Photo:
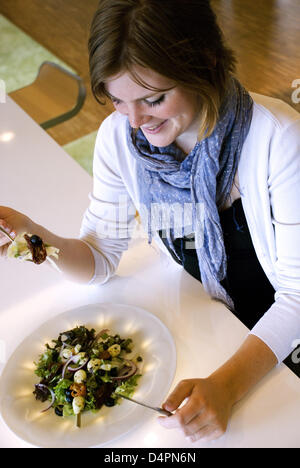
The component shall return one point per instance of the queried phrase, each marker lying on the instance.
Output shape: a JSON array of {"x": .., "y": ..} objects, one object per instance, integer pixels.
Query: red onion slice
[
  {"x": 52, "y": 396},
  {"x": 74, "y": 369},
  {"x": 127, "y": 371},
  {"x": 61, "y": 352},
  {"x": 71, "y": 359}
]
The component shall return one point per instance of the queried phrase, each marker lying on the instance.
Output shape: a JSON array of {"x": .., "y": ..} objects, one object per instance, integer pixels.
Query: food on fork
[
  {"x": 31, "y": 247},
  {"x": 37, "y": 248}
]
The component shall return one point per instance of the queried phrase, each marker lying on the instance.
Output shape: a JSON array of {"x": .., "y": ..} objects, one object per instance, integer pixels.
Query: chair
[{"x": 56, "y": 95}]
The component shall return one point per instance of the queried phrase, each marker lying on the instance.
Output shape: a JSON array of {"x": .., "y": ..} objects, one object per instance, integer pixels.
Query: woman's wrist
[{"x": 245, "y": 368}]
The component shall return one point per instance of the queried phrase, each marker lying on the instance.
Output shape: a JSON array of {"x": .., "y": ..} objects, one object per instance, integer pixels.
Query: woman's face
[{"x": 162, "y": 116}]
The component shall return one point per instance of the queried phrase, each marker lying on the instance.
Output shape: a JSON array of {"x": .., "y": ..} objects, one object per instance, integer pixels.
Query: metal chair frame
[{"x": 80, "y": 98}]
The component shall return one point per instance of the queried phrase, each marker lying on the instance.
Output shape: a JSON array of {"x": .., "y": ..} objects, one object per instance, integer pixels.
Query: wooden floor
[
  {"x": 266, "y": 37},
  {"x": 264, "y": 33}
]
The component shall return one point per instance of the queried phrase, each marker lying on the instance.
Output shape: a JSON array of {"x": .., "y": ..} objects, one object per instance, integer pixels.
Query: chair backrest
[{"x": 56, "y": 95}]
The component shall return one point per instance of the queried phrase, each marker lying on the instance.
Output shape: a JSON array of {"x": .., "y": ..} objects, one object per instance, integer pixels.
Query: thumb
[{"x": 179, "y": 394}]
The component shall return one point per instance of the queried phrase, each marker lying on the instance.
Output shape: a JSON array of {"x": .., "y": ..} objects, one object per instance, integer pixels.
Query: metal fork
[
  {"x": 6, "y": 234},
  {"x": 154, "y": 408}
]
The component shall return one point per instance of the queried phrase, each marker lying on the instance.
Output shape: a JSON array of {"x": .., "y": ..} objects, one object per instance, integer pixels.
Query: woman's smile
[{"x": 154, "y": 129}]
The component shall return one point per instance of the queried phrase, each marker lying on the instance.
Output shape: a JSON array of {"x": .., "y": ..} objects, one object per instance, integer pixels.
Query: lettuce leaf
[
  {"x": 60, "y": 391},
  {"x": 127, "y": 388}
]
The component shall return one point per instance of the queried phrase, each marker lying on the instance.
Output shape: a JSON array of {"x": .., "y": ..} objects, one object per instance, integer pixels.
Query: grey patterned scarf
[{"x": 202, "y": 181}]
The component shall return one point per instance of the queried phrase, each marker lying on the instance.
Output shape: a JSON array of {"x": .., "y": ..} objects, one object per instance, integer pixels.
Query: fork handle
[
  {"x": 6, "y": 234},
  {"x": 164, "y": 412}
]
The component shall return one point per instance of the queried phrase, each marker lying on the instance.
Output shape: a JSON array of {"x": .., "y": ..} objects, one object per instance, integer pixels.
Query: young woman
[{"x": 214, "y": 173}]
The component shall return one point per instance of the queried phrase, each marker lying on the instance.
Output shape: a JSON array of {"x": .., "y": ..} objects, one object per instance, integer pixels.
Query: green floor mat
[
  {"x": 82, "y": 150},
  {"x": 21, "y": 56}
]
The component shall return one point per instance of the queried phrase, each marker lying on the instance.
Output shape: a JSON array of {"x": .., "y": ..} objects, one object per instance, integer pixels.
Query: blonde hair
[{"x": 179, "y": 39}]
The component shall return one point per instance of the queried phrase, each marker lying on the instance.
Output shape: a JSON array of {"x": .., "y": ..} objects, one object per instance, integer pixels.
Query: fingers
[
  {"x": 205, "y": 413},
  {"x": 4, "y": 239},
  {"x": 3, "y": 250},
  {"x": 182, "y": 391},
  {"x": 188, "y": 418},
  {"x": 186, "y": 414},
  {"x": 202, "y": 427},
  {"x": 206, "y": 434}
]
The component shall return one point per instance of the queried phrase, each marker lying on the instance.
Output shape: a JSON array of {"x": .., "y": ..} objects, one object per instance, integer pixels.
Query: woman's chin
[{"x": 159, "y": 140}]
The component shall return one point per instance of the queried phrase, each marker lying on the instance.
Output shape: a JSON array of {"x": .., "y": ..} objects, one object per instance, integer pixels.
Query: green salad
[{"x": 82, "y": 371}]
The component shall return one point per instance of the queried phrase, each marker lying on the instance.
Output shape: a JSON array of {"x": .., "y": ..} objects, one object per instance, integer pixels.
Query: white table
[{"x": 37, "y": 177}]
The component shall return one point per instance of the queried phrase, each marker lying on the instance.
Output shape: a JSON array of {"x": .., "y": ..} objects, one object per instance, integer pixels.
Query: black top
[{"x": 245, "y": 281}]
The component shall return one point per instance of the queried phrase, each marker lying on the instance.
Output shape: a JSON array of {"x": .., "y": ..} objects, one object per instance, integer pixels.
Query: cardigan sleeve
[
  {"x": 279, "y": 328},
  {"x": 107, "y": 223}
]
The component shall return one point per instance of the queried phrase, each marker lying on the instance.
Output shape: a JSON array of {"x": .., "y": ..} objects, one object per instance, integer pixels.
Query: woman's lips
[{"x": 154, "y": 128}]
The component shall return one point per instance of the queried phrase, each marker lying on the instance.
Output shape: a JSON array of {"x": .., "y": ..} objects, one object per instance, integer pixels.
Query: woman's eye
[
  {"x": 157, "y": 102},
  {"x": 115, "y": 101}
]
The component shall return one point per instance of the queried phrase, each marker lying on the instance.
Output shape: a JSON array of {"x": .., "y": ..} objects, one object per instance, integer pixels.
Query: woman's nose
[{"x": 136, "y": 117}]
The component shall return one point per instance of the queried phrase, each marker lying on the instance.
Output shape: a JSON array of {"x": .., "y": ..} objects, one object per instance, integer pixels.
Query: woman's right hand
[
  {"x": 76, "y": 259},
  {"x": 13, "y": 223}
]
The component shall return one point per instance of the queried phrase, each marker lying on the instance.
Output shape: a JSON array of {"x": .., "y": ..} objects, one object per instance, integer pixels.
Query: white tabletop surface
[{"x": 38, "y": 178}]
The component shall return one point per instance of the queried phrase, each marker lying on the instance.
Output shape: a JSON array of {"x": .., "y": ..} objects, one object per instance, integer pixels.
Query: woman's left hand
[{"x": 205, "y": 414}]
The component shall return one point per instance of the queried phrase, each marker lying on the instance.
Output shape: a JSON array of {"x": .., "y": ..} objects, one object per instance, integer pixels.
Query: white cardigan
[{"x": 269, "y": 179}]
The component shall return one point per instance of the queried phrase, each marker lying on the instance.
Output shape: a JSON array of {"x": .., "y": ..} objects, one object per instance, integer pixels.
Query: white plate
[{"x": 22, "y": 413}]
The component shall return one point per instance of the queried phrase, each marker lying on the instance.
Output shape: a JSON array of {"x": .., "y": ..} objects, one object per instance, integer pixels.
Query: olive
[
  {"x": 105, "y": 346},
  {"x": 36, "y": 240},
  {"x": 69, "y": 398},
  {"x": 100, "y": 373},
  {"x": 59, "y": 410},
  {"x": 113, "y": 372},
  {"x": 109, "y": 402}
]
